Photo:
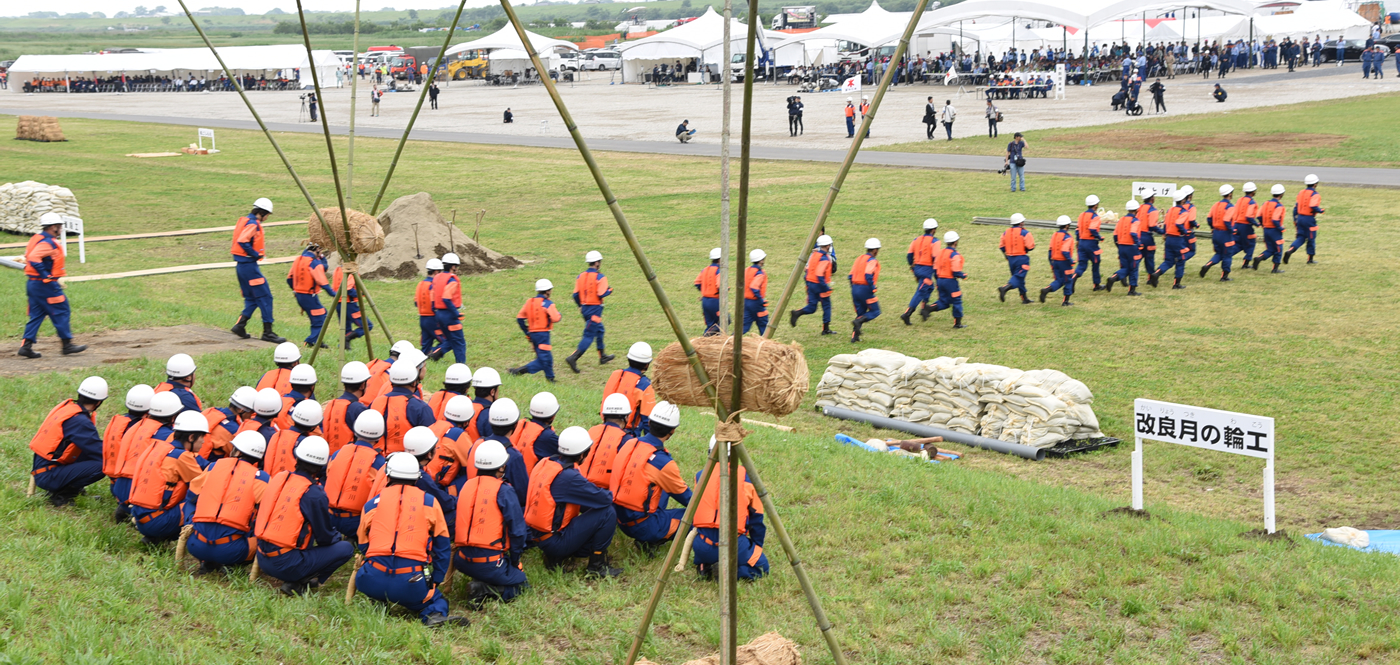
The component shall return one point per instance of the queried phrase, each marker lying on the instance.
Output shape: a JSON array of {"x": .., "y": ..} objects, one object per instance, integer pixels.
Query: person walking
[
  {"x": 948, "y": 115},
  {"x": 1158, "y": 90},
  {"x": 930, "y": 119},
  {"x": 1061, "y": 261},
  {"x": 1015, "y": 242},
  {"x": 993, "y": 117},
  {"x": 1089, "y": 239},
  {"x": 1016, "y": 161},
  {"x": 247, "y": 250},
  {"x": 1222, "y": 236},
  {"x": 43, "y": 266},
  {"x": 433, "y": 94},
  {"x": 1126, "y": 236}
]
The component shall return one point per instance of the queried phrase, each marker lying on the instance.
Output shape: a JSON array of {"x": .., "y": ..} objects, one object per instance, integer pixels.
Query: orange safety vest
[
  {"x": 1123, "y": 233},
  {"x": 818, "y": 267},
  {"x": 850, "y": 111},
  {"x": 755, "y": 280},
  {"x": 378, "y": 378},
  {"x": 219, "y": 440},
  {"x": 112, "y": 443},
  {"x": 242, "y": 233},
  {"x": 707, "y": 513},
  {"x": 338, "y": 432},
  {"x": 49, "y": 443},
  {"x": 1220, "y": 215},
  {"x": 1273, "y": 214},
  {"x": 227, "y": 496},
  {"x": 400, "y": 526},
  {"x": 52, "y": 250},
  {"x": 865, "y": 271},
  {"x": 598, "y": 466},
  {"x": 395, "y": 411},
  {"x": 443, "y": 291},
  {"x": 306, "y": 279},
  {"x": 539, "y": 314},
  {"x": 1246, "y": 210},
  {"x": 278, "y": 379},
  {"x": 279, "y": 457},
  {"x": 708, "y": 281},
  {"x": 625, "y": 382},
  {"x": 1088, "y": 223},
  {"x": 438, "y": 402},
  {"x": 1062, "y": 246},
  {"x": 135, "y": 442},
  {"x": 479, "y": 520},
  {"x": 451, "y": 459},
  {"x": 541, "y": 512},
  {"x": 949, "y": 263},
  {"x": 1177, "y": 222},
  {"x": 1016, "y": 241},
  {"x": 1308, "y": 201},
  {"x": 280, "y": 521},
  {"x": 589, "y": 286},
  {"x": 350, "y": 477},
  {"x": 149, "y": 484},
  {"x": 423, "y": 297},
  {"x": 924, "y": 248},
  {"x": 472, "y": 434},
  {"x": 864, "y": 108},
  {"x": 523, "y": 440},
  {"x": 631, "y": 487}
]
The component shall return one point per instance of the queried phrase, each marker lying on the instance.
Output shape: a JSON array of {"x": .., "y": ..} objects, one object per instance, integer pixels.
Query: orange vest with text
[
  {"x": 401, "y": 524},
  {"x": 49, "y": 443},
  {"x": 479, "y": 521},
  {"x": 541, "y": 512},
  {"x": 280, "y": 521},
  {"x": 227, "y": 495}
]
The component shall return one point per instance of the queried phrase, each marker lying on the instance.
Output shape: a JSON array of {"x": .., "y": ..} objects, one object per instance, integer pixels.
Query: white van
[{"x": 602, "y": 60}]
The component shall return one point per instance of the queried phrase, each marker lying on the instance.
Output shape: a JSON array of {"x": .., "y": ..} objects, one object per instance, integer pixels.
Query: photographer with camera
[
  {"x": 1016, "y": 161},
  {"x": 308, "y": 100}
]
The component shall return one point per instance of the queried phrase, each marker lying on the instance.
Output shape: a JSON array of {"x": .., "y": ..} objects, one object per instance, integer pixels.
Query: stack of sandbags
[
  {"x": 22, "y": 203},
  {"x": 869, "y": 381},
  {"x": 39, "y": 128},
  {"x": 1039, "y": 408}
]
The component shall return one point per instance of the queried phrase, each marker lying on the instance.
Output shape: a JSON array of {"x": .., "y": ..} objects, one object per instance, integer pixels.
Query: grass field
[
  {"x": 1345, "y": 132},
  {"x": 988, "y": 559}
]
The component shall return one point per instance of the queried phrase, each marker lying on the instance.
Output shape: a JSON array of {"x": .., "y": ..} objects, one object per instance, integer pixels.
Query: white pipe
[{"x": 973, "y": 440}]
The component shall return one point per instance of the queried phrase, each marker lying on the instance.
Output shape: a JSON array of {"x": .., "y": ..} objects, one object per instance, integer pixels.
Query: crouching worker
[
  {"x": 490, "y": 534},
  {"x": 403, "y": 531},
  {"x": 296, "y": 543},
  {"x": 645, "y": 479},
  {"x": 222, "y": 503},
  {"x": 162, "y": 476},
  {"x": 753, "y": 563},
  {"x": 352, "y": 471},
  {"x": 568, "y": 516},
  {"x": 67, "y": 448}
]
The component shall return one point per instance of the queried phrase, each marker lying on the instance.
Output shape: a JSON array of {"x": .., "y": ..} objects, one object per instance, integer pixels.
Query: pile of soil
[
  {"x": 766, "y": 649},
  {"x": 399, "y": 259},
  {"x": 106, "y": 347}
]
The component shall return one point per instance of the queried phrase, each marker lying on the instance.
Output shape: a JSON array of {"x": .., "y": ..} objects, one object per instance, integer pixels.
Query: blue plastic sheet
[{"x": 1381, "y": 541}]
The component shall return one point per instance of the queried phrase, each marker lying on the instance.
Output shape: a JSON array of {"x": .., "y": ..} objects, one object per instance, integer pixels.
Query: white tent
[
  {"x": 1327, "y": 18},
  {"x": 509, "y": 60},
  {"x": 702, "y": 39},
  {"x": 255, "y": 60},
  {"x": 506, "y": 37}
]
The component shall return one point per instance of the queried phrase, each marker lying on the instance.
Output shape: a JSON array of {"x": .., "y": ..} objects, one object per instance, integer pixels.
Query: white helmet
[
  {"x": 50, "y": 219},
  {"x": 574, "y": 441},
  {"x": 139, "y": 397},
  {"x": 404, "y": 371},
  {"x": 191, "y": 421},
  {"x": 848, "y": 99},
  {"x": 459, "y": 409},
  {"x": 244, "y": 397},
  {"x": 1277, "y": 190},
  {"x": 1310, "y": 179},
  {"x": 666, "y": 413},
  {"x": 1188, "y": 190},
  {"x": 286, "y": 352},
  {"x": 544, "y": 405},
  {"x": 251, "y": 444},
  {"x": 1091, "y": 200},
  {"x": 400, "y": 346},
  {"x": 1225, "y": 190},
  {"x": 1132, "y": 204},
  {"x": 950, "y": 237},
  {"x": 504, "y": 412},
  {"x": 263, "y": 204},
  {"x": 490, "y": 455},
  {"x": 307, "y": 413},
  {"x": 640, "y": 352},
  {"x": 369, "y": 425},
  {"x": 543, "y": 285},
  {"x": 757, "y": 255},
  {"x": 313, "y": 450},
  {"x": 402, "y": 466},
  {"x": 1249, "y": 187},
  {"x": 457, "y": 373},
  {"x": 1063, "y": 221},
  {"x": 485, "y": 377},
  {"x": 1017, "y": 218},
  {"x": 872, "y": 243},
  {"x": 617, "y": 404},
  {"x": 95, "y": 387},
  {"x": 419, "y": 441},
  {"x": 164, "y": 405},
  {"x": 930, "y": 224},
  {"x": 434, "y": 264},
  {"x": 267, "y": 403},
  {"x": 823, "y": 241},
  {"x": 716, "y": 254},
  {"x": 450, "y": 259},
  {"x": 354, "y": 372},
  {"x": 303, "y": 375},
  {"x": 592, "y": 257},
  {"x": 179, "y": 366}
]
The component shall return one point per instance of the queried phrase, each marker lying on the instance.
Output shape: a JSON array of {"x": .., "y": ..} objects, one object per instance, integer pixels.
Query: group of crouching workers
[{"x": 415, "y": 486}]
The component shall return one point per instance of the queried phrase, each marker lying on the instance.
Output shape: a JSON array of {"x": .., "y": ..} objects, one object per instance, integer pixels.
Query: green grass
[
  {"x": 1336, "y": 132},
  {"x": 988, "y": 559}
]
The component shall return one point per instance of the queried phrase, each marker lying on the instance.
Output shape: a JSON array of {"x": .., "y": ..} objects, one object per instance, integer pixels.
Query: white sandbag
[{"x": 1346, "y": 535}]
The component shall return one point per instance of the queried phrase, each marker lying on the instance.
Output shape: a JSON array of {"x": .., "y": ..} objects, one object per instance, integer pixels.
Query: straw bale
[
  {"x": 38, "y": 128},
  {"x": 766, "y": 649},
  {"x": 365, "y": 234},
  {"x": 775, "y": 374}
]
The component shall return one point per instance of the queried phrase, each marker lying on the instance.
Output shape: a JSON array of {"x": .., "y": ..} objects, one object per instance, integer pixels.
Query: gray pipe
[
  {"x": 11, "y": 264},
  {"x": 973, "y": 440}
]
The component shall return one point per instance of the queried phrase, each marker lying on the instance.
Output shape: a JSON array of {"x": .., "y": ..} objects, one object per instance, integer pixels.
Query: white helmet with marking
[
  {"x": 303, "y": 375},
  {"x": 419, "y": 441},
  {"x": 459, "y": 409},
  {"x": 640, "y": 352},
  {"x": 167, "y": 404},
  {"x": 486, "y": 377},
  {"x": 574, "y": 441},
  {"x": 369, "y": 425},
  {"x": 354, "y": 372},
  {"x": 617, "y": 404},
  {"x": 457, "y": 374},
  {"x": 402, "y": 466},
  {"x": 179, "y": 366},
  {"x": 504, "y": 412},
  {"x": 268, "y": 403},
  {"x": 191, "y": 421},
  {"x": 286, "y": 352},
  {"x": 544, "y": 405},
  {"x": 139, "y": 397},
  {"x": 490, "y": 455},
  {"x": 666, "y": 413},
  {"x": 313, "y": 450},
  {"x": 251, "y": 444},
  {"x": 307, "y": 413}
]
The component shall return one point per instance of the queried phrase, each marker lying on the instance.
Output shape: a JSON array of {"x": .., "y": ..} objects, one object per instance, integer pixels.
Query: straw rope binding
[
  {"x": 775, "y": 374},
  {"x": 366, "y": 236}
]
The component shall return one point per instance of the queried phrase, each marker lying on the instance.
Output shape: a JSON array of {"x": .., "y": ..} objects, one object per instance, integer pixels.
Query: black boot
[
  {"x": 1098, "y": 287},
  {"x": 292, "y": 589},
  {"x": 957, "y": 324},
  {"x": 1025, "y": 300},
  {"x": 905, "y": 316},
  {"x": 69, "y": 348},
  {"x": 26, "y": 349},
  {"x": 826, "y": 329},
  {"x": 925, "y": 311},
  {"x": 572, "y": 361},
  {"x": 1288, "y": 254},
  {"x": 1177, "y": 285},
  {"x": 793, "y": 316},
  {"x": 1276, "y": 269},
  {"x": 856, "y": 323},
  {"x": 1108, "y": 286},
  {"x": 605, "y": 358},
  {"x": 436, "y": 620},
  {"x": 1132, "y": 291},
  {"x": 552, "y": 563},
  {"x": 1066, "y": 303},
  {"x": 1205, "y": 269},
  {"x": 241, "y": 328},
  {"x": 1044, "y": 292},
  {"x": 1225, "y": 277},
  {"x": 1001, "y": 292},
  {"x": 598, "y": 566},
  {"x": 269, "y": 336},
  {"x": 516, "y": 371},
  {"x": 1257, "y": 260},
  {"x": 1152, "y": 279},
  {"x": 1311, "y": 262}
]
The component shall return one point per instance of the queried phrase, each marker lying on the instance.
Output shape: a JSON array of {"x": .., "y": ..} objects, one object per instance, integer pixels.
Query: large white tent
[
  {"x": 1328, "y": 18},
  {"x": 702, "y": 39},
  {"x": 506, "y": 37},
  {"x": 255, "y": 60}
]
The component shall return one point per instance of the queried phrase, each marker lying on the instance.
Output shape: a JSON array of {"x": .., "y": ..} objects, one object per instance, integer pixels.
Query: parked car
[
  {"x": 1354, "y": 47},
  {"x": 568, "y": 60},
  {"x": 601, "y": 60}
]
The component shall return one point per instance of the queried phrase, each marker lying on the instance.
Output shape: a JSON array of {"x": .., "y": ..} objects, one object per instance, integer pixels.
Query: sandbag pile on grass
[
  {"x": 22, "y": 203},
  {"x": 1039, "y": 408},
  {"x": 39, "y": 128}
]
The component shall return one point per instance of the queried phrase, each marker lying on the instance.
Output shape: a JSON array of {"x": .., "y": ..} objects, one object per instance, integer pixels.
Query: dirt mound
[
  {"x": 414, "y": 231},
  {"x": 1150, "y": 139},
  {"x": 115, "y": 346}
]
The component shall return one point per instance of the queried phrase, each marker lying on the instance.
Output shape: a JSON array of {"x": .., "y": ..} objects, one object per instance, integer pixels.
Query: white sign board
[
  {"x": 1166, "y": 190},
  {"x": 208, "y": 134},
  {"x": 1210, "y": 429},
  {"x": 1060, "y": 80},
  {"x": 74, "y": 225}
]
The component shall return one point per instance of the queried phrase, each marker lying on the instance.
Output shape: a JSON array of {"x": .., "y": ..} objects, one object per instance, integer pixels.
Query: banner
[{"x": 851, "y": 84}]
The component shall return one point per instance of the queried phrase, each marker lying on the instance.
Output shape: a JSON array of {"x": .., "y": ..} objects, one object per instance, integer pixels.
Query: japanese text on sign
[{"x": 1239, "y": 433}]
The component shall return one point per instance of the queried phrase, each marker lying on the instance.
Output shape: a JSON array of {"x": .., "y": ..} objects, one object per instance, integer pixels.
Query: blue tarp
[{"x": 1381, "y": 541}]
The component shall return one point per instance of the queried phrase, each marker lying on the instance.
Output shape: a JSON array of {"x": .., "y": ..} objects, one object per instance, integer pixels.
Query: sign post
[
  {"x": 1224, "y": 431},
  {"x": 1166, "y": 189},
  {"x": 208, "y": 134}
]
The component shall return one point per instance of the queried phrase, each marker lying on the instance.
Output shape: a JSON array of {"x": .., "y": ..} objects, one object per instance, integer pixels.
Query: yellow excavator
[{"x": 467, "y": 64}]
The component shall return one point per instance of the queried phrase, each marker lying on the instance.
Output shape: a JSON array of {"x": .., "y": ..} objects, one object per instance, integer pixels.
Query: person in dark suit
[{"x": 930, "y": 118}]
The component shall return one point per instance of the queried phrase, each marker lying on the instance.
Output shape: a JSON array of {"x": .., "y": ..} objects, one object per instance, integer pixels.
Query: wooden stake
[
  {"x": 32, "y": 486},
  {"x": 350, "y": 585},
  {"x": 182, "y": 545},
  {"x": 254, "y": 571}
]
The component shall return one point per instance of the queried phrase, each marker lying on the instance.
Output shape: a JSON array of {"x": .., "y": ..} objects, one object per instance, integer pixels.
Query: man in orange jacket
[
  {"x": 162, "y": 478},
  {"x": 753, "y": 563},
  {"x": 645, "y": 479},
  {"x": 1015, "y": 243},
  {"x": 536, "y": 319},
  {"x": 566, "y": 515},
  {"x": 296, "y": 543},
  {"x": 590, "y": 289},
  {"x": 221, "y": 504},
  {"x": 43, "y": 266},
  {"x": 67, "y": 449},
  {"x": 708, "y": 286},
  {"x": 306, "y": 277},
  {"x": 248, "y": 249},
  {"x": 756, "y": 292},
  {"x": 820, "y": 266},
  {"x": 490, "y": 534}
]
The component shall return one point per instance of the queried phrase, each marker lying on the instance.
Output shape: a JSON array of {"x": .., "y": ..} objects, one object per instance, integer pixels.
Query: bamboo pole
[
  {"x": 727, "y": 573},
  {"x": 419, "y": 107},
  {"x": 726, "y": 86},
  {"x": 320, "y": 337},
  {"x": 341, "y": 306},
  {"x": 811, "y": 240}
]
